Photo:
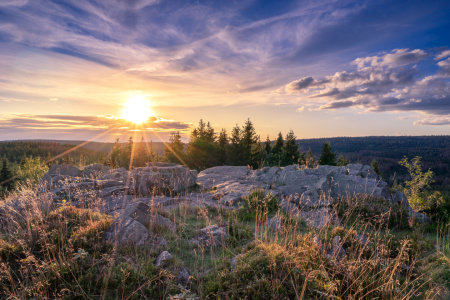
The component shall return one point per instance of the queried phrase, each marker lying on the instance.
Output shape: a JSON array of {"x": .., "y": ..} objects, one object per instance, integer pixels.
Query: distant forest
[{"x": 387, "y": 150}]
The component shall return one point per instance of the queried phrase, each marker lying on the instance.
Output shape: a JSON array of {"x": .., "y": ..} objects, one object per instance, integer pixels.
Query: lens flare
[{"x": 136, "y": 110}]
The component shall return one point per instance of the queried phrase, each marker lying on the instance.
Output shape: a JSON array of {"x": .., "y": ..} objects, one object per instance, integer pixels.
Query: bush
[{"x": 258, "y": 205}]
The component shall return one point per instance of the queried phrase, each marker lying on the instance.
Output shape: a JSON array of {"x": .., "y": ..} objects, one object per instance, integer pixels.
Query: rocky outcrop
[
  {"x": 212, "y": 235},
  {"x": 162, "y": 177},
  {"x": 135, "y": 224},
  {"x": 164, "y": 256}
]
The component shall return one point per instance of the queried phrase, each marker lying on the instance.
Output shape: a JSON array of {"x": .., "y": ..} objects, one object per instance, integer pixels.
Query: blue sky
[{"x": 321, "y": 68}]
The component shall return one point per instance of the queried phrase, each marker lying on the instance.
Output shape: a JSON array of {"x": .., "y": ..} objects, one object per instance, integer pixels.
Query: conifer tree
[
  {"x": 6, "y": 181},
  {"x": 276, "y": 149},
  {"x": 248, "y": 142},
  {"x": 115, "y": 153},
  {"x": 343, "y": 161},
  {"x": 141, "y": 157},
  {"x": 268, "y": 146},
  {"x": 234, "y": 153},
  {"x": 222, "y": 142},
  {"x": 327, "y": 157},
  {"x": 202, "y": 150},
  {"x": 173, "y": 152},
  {"x": 375, "y": 167},
  {"x": 290, "y": 153},
  {"x": 310, "y": 159}
]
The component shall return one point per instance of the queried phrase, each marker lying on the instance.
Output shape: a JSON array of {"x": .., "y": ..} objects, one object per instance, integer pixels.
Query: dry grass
[{"x": 57, "y": 251}]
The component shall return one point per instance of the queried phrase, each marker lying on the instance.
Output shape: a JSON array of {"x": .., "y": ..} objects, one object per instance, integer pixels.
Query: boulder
[
  {"x": 163, "y": 177},
  {"x": 126, "y": 227},
  {"x": 212, "y": 235},
  {"x": 318, "y": 243},
  {"x": 64, "y": 169},
  {"x": 274, "y": 223},
  {"x": 183, "y": 276},
  {"x": 164, "y": 256},
  {"x": 337, "y": 251}
]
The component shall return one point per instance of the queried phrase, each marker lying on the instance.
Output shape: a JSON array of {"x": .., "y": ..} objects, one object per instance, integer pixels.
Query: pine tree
[
  {"x": 115, "y": 153},
  {"x": 290, "y": 153},
  {"x": 268, "y": 146},
  {"x": 222, "y": 142},
  {"x": 276, "y": 150},
  {"x": 173, "y": 152},
  {"x": 327, "y": 157},
  {"x": 343, "y": 161},
  {"x": 234, "y": 153},
  {"x": 202, "y": 150},
  {"x": 302, "y": 158},
  {"x": 141, "y": 158},
  {"x": 6, "y": 181},
  {"x": 375, "y": 167},
  {"x": 248, "y": 142},
  {"x": 310, "y": 159}
]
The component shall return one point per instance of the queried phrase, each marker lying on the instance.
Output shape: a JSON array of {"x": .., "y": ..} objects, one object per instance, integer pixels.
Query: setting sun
[{"x": 136, "y": 110}]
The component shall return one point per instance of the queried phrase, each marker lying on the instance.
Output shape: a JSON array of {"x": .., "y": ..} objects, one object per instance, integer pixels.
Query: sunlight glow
[{"x": 136, "y": 110}]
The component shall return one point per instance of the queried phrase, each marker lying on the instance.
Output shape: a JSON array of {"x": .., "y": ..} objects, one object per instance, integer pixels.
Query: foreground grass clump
[
  {"x": 376, "y": 211},
  {"x": 63, "y": 255},
  {"x": 298, "y": 270}
]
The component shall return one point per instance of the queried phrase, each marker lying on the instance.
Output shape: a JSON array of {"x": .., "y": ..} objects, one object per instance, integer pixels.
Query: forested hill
[
  {"x": 99, "y": 146},
  {"x": 16, "y": 151},
  {"x": 388, "y": 150}
]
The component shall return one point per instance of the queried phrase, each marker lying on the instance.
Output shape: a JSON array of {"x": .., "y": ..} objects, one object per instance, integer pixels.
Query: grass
[{"x": 59, "y": 253}]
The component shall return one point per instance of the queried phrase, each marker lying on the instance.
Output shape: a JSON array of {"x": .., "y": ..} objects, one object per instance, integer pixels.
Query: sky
[{"x": 69, "y": 69}]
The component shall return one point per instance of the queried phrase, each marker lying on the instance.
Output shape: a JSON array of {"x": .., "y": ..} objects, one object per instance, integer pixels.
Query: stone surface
[
  {"x": 164, "y": 256},
  {"x": 183, "y": 276},
  {"x": 64, "y": 169},
  {"x": 274, "y": 223},
  {"x": 161, "y": 177},
  {"x": 160, "y": 241},
  {"x": 234, "y": 261},
  {"x": 318, "y": 243},
  {"x": 212, "y": 235},
  {"x": 124, "y": 225},
  {"x": 362, "y": 239},
  {"x": 337, "y": 251}
]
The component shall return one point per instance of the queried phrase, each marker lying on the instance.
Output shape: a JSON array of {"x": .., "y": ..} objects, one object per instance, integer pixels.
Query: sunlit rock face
[{"x": 307, "y": 188}]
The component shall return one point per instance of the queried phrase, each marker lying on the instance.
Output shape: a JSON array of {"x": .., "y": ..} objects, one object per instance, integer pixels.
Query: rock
[
  {"x": 162, "y": 177},
  {"x": 212, "y": 235},
  {"x": 160, "y": 241},
  {"x": 183, "y": 276},
  {"x": 362, "y": 239},
  {"x": 133, "y": 232},
  {"x": 164, "y": 256},
  {"x": 234, "y": 261},
  {"x": 400, "y": 198},
  {"x": 274, "y": 223},
  {"x": 214, "y": 176},
  {"x": 64, "y": 169},
  {"x": 337, "y": 251},
  {"x": 318, "y": 243},
  {"x": 133, "y": 213},
  {"x": 317, "y": 218}
]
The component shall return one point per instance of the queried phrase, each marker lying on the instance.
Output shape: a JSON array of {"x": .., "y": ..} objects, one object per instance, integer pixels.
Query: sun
[{"x": 136, "y": 110}]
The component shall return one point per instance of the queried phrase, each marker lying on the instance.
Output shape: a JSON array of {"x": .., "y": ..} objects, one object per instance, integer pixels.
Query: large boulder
[
  {"x": 130, "y": 225},
  {"x": 162, "y": 177},
  {"x": 64, "y": 169}
]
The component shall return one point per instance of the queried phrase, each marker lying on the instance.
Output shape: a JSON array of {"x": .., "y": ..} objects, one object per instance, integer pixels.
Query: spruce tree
[
  {"x": 248, "y": 142},
  {"x": 141, "y": 158},
  {"x": 202, "y": 150},
  {"x": 115, "y": 152},
  {"x": 234, "y": 154},
  {"x": 310, "y": 159},
  {"x": 343, "y": 161},
  {"x": 6, "y": 181},
  {"x": 327, "y": 157},
  {"x": 276, "y": 150},
  {"x": 290, "y": 153},
  {"x": 222, "y": 142},
  {"x": 173, "y": 152},
  {"x": 375, "y": 167},
  {"x": 268, "y": 146}
]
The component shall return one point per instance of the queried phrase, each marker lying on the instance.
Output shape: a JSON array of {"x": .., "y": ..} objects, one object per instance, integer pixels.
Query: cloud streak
[{"x": 389, "y": 82}]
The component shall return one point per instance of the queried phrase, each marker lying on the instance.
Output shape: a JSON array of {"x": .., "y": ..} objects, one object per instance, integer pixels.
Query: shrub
[{"x": 258, "y": 205}]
